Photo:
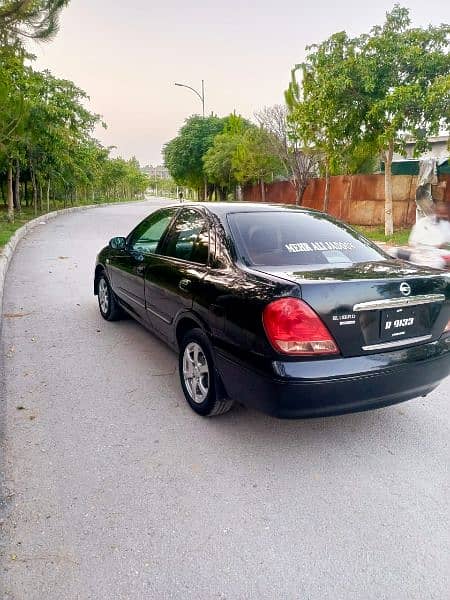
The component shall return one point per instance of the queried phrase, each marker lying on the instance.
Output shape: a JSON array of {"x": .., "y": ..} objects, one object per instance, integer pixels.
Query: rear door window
[
  {"x": 188, "y": 238},
  {"x": 298, "y": 238}
]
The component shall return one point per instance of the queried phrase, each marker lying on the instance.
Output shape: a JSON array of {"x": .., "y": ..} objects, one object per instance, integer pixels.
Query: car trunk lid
[{"x": 375, "y": 306}]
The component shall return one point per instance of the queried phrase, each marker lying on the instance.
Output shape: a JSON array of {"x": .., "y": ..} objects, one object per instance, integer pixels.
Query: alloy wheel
[
  {"x": 103, "y": 296},
  {"x": 196, "y": 372}
]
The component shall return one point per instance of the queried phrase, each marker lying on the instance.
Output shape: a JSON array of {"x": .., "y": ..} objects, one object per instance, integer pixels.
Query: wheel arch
[
  {"x": 186, "y": 322},
  {"x": 99, "y": 269}
]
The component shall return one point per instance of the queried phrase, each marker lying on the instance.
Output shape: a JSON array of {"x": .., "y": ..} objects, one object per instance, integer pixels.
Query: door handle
[
  {"x": 184, "y": 284},
  {"x": 140, "y": 269}
]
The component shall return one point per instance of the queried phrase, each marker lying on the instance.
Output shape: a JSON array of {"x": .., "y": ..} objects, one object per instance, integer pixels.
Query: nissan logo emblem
[{"x": 405, "y": 288}]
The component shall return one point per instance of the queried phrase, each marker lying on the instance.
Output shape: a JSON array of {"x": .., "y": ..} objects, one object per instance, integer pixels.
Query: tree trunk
[
  {"x": 9, "y": 194},
  {"x": 34, "y": 188},
  {"x": 35, "y": 197},
  {"x": 263, "y": 190},
  {"x": 326, "y": 196},
  {"x": 17, "y": 187},
  {"x": 299, "y": 190},
  {"x": 388, "y": 208},
  {"x": 48, "y": 195}
]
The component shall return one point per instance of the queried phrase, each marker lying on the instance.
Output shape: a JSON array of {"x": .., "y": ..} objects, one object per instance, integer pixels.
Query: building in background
[
  {"x": 157, "y": 172},
  {"x": 439, "y": 148}
]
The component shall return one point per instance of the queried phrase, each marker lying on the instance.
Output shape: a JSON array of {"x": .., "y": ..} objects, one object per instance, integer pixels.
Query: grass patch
[
  {"x": 7, "y": 229},
  {"x": 376, "y": 233}
]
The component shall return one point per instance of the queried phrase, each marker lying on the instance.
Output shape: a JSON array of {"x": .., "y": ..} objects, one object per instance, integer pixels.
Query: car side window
[
  {"x": 145, "y": 238},
  {"x": 188, "y": 238}
]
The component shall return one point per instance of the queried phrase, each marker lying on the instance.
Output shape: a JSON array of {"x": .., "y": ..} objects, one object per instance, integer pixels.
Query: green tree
[
  {"x": 326, "y": 103},
  {"x": 22, "y": 19},
  {"x": 406, "y": 85},
  {"x": 19, "y": 20},
  {"x": 12, "y": 116},
  {"x": 362, "y": 97},
  {"x": 46, "y": 143},
  {"x": 254, "y": 160},
  {"x": 57, "y": 125},
  {"x": 218, "y": 161},
  {"x": 183, "y": 155}
]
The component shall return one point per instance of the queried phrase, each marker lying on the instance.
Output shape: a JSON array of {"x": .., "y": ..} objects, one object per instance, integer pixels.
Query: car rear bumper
[{"x": 337, "y": 386}]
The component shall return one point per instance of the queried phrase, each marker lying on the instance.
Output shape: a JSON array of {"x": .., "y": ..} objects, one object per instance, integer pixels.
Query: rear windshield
[{"x": 276, "y": 239}]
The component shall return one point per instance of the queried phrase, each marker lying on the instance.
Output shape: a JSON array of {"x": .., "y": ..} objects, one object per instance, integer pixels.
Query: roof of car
[{"x": 223, "y": 208}]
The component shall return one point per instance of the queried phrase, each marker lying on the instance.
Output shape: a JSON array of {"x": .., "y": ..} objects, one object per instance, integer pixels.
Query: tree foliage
[
  {"x": 47, "y": 146},
  {"x": 324, "y": 99},
  {"x": 36, "y": 19},
  {"x": 254, "y": 159},
  {"x": 183, "y": 155},
  {"x": 219, "y": 160},
  {"x": 356, "y": 98},
  {"x": 223, "y": 152},
  {"x": 406, "y": 87}
]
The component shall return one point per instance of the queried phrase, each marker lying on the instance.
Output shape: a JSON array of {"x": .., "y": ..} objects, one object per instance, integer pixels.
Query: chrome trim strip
[
  {"x": 132, "y": 298},
  {"x": 158, "y": 315},
  {"x": 399, "y": 302},
  {"x": 396, "y": 344}
]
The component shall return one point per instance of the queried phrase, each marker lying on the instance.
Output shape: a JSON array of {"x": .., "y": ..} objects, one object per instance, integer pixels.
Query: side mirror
[{"x": 117, "y": 243}]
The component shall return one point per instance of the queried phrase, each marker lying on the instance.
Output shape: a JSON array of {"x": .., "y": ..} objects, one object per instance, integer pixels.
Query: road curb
[{"x": 8, "y": 250}]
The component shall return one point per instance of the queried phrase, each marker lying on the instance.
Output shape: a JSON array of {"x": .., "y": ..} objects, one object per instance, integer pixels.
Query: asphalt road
[{"x": 115, "y": 489}]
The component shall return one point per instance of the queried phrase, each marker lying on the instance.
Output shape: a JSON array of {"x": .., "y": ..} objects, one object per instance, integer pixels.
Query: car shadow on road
[{"x": 394, "y": 426}]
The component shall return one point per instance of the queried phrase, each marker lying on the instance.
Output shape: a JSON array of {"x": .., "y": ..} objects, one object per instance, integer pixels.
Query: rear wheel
[
  {"x": 197, "y": 376},
  {"x": 107, "y": 301}
]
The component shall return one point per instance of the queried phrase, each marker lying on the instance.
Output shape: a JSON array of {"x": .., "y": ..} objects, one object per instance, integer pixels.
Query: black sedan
[{"x": 280, "y": 308}]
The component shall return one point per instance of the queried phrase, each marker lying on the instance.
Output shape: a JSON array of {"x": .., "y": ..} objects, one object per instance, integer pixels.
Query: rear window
[{"x": 276, "y": 239}]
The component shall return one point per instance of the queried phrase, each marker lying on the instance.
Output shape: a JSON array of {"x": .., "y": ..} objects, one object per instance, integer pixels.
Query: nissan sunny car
[{"x": 280, "y": 308}]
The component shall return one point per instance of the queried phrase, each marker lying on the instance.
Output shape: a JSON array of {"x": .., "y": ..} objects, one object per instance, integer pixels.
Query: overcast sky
[{"x": 127, "y": 56}]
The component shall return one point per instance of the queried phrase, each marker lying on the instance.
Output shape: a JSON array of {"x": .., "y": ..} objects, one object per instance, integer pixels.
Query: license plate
[{"x": 407, "y": 322}]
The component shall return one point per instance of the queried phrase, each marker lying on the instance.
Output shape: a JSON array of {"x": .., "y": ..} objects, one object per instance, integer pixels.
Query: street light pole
[
  {"x": 200, "y": 95},
  {"x": 202, "y": 100}
]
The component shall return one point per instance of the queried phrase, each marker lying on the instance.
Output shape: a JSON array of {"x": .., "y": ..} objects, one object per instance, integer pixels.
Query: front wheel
[
  {"x": 197, "y": 376},
  {"x": 107, "y": 302}
]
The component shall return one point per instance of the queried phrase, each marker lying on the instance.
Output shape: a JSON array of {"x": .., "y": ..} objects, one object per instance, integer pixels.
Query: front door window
[{"x": 145, "y": 238}]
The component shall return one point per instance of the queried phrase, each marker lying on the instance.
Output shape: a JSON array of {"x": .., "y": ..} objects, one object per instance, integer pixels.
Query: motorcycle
[
  {"x": 426, "y": 256},
  {"x": 429, "y": 243}
]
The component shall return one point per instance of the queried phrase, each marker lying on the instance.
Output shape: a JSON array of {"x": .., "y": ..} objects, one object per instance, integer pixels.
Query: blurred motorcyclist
[
  {"x": 429, "y": 240},
  {"x": 432, "y": 230}
]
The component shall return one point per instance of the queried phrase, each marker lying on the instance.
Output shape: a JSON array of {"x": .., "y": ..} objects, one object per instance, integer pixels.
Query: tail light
[
  {"x": 294, "y": 328},
  {"x": 447, "y": 327}
]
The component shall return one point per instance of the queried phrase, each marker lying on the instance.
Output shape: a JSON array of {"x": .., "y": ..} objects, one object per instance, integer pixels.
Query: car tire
[
  {"x": 107, "y": 301},
  {"x": 198, "y": 377}
]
